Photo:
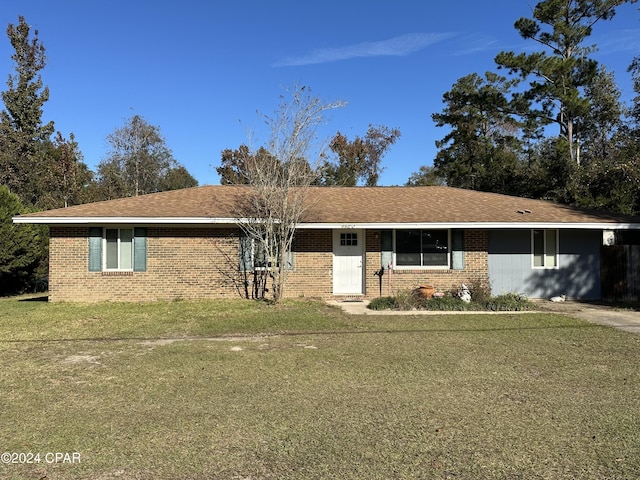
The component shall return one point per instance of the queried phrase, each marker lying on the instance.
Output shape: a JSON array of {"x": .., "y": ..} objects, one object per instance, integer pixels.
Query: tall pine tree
[
  {"x": 560, "y": 72},
  {"x": 22, "y": 132},
  {"x": 481, "y": 150}
]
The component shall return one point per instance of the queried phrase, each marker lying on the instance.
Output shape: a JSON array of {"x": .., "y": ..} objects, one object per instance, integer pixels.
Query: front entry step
[{"x": 349, "y": 298}]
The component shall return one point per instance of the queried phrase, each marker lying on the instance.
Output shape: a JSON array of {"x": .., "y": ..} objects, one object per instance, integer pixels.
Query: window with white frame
[
  {"x": 544, "y": 246},
  {"x": 422, "y": 248},
  {"x": 118, "y": 249}
]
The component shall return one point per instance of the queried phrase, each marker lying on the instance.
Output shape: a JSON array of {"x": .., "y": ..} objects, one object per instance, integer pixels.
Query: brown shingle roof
[{"x": 339, "y": 205}]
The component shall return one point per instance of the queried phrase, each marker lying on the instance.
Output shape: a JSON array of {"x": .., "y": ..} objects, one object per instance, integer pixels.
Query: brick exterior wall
[
  {"x": 202, "y": 263},
  {"x": 312, "y": 275},
  {"x": 475, "y": 273},
  {"x": 182, "y": 263}
]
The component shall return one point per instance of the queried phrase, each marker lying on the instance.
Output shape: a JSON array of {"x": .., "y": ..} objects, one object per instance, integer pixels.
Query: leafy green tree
[
  {"x": 22, "y": 248},
  {"x": 358, "y": 160},
  {"x": 22, "y": 132},
  {"x": 139, "y": 162},
  {"x": 561, "y": 72},
  {"x": 426, "y": 176},
  {"x": 235, "y": 165},
  {"x": 611, "y": 184}
]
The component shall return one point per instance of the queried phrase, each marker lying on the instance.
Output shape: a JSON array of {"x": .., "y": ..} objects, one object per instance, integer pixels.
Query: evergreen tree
[
  {"x": 498, "y": 139},
  {"x": 611, "y": 180},
  {"x": 63, "y": 179},
  {"x": 481, "y": 150},
  {"x": 603, "y": 121},
  {"x": 634, "y": 69},
  {"x": 426, "y": 176},
  {"x": 560, "y": 72},
  {"x": 22, "y": 248},
  {"x": 551, "y": 174},
  {"x": 177, "y": 178},
  {"x": 22, "y": 133}
]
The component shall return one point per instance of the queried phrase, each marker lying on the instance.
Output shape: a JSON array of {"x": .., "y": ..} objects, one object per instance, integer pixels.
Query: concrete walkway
[{"x": 623, "y": 319}]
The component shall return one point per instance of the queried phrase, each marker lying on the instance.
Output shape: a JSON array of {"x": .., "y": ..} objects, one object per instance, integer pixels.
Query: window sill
[
  {"x": 443, "y": 268},
  {"x": 117, "y": 273}
]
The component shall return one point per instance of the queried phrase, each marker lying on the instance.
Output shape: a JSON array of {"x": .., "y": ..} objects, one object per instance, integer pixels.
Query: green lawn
[{"x": 245, "y": 390}]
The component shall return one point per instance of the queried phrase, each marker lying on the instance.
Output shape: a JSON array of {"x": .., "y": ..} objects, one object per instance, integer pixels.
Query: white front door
[{"x": 348, "y": 247}]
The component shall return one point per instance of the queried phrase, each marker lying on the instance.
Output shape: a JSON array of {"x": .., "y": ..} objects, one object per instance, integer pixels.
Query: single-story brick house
[{"x": 186, "y": 244}]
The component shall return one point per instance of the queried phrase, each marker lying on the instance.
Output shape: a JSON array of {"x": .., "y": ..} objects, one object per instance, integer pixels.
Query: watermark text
[{"x": 9, "y": 458}]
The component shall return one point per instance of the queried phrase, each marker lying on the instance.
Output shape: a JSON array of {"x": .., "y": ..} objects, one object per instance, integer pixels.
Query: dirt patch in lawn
[{"x": 77, "y": 359}]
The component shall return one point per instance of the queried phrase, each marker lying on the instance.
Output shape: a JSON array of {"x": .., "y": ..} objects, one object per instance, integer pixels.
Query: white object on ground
[{"x": 464, "y": 294}]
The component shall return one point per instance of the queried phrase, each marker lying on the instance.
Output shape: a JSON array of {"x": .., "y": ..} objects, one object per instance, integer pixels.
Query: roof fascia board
[
  {"x": 183, "y": 221},
  {"x": 126, "y": 220},
  {"x": 475, "y": 225}
]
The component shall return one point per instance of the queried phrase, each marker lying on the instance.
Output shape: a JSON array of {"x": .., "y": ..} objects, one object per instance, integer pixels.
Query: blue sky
[{"x": 201, "y": 69}]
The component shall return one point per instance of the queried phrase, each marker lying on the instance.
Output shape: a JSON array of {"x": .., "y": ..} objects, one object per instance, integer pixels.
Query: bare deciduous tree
[
  {"x": 279, "y": 179},
  {"x": 139, "y": 162}
]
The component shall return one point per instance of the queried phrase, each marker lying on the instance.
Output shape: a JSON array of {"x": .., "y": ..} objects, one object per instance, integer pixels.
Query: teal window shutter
[
  {"x": 457, "y": 249},
  {"x": 386, "y": 248},
  {"x": 95, "y": 249},
  {"x": 140, "y": 249},
  {"x": 245, "y": 254}
]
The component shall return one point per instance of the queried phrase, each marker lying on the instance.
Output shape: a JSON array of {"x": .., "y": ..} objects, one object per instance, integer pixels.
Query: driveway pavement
[{"x": 623, "y": 319}]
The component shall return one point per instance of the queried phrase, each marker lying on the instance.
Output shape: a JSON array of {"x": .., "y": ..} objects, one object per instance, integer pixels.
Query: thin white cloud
[
  {"x": 397, "y": 46},
  {"x": 474, "y": 44}
]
